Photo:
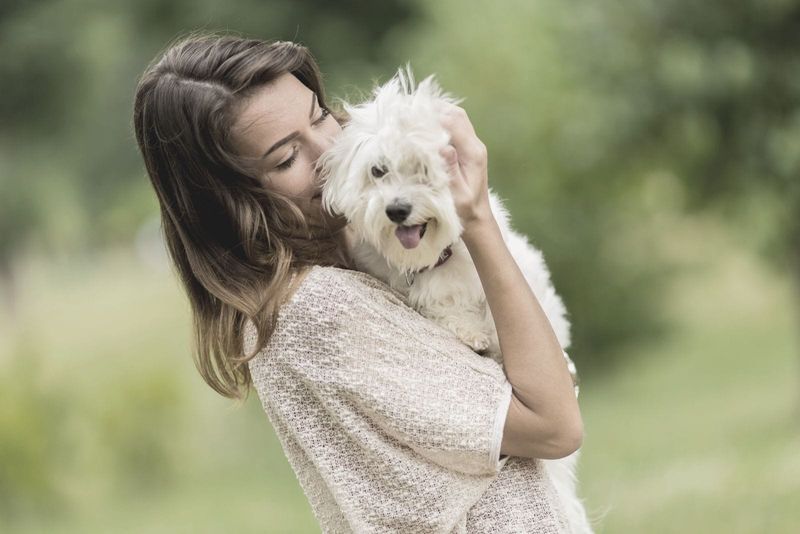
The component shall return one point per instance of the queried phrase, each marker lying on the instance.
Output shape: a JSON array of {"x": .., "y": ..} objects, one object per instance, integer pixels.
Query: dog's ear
[
  {"x": 329, "y": 168},
  {"x": 430, "y": 88},
  {"x": 340, "y": 171}
]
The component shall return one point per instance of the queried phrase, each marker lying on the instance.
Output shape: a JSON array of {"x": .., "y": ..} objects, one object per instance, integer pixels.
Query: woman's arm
[{"x": 544, "y": 419}]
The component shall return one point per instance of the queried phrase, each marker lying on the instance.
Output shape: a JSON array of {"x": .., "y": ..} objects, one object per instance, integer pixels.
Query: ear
[
  {"x": 430, "y": 87},
  {"x": 340, "y": 172}
]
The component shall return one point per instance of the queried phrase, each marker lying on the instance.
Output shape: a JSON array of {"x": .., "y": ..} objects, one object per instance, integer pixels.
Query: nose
[
  {"x": 321, "y": 143},
  {"x": 398, "y": 211}
]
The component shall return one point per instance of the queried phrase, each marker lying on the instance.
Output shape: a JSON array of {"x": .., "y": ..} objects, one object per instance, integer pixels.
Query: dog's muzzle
[{"x": 398, "y": 211}]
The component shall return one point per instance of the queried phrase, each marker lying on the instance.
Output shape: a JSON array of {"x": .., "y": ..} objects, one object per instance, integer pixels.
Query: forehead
[{"x": 271, "y": 112}]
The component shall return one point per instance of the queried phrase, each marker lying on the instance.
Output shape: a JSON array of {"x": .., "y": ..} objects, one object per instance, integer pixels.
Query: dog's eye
[{"x": 378, "y": 170}]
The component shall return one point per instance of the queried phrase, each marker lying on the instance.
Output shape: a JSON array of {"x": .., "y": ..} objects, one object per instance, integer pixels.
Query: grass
[
  {"x": 701, "y": 434},
  {"x": 695, "y": 434}
]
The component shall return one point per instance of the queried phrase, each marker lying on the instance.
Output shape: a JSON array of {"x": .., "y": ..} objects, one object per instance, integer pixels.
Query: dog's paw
[{"x": 477, "y": 343}]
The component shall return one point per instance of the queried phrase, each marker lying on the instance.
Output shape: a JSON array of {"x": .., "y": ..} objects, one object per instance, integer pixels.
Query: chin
[{"x": 423, "y": 250}]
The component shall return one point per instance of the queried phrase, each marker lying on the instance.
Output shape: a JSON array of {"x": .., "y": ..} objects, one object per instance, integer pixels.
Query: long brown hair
[{"x": 233, "y": 242}]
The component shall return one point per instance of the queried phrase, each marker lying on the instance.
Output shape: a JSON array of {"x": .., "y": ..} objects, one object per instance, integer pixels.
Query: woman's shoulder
[
  {"x": 328, "y": 302},
  {"x": 327, "y": 296},
  {"x": 340, "y": 288}
]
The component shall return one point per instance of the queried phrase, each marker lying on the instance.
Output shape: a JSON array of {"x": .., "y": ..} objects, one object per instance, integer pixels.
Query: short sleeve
[{"x": 382, "y": 369}]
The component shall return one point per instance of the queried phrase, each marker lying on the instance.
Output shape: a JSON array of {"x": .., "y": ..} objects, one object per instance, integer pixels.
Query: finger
[
  {"x": 458, "y": 117},
  {"x": 450, "y": 156},
  {"x": 462, "y": 134}
]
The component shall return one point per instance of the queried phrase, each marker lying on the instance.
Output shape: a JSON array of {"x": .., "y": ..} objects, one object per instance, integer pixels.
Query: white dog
[{"x": 384, "y": 173}]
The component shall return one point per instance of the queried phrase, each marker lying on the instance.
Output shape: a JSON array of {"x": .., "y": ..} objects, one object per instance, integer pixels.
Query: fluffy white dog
[{"x": 384, "y": 173}]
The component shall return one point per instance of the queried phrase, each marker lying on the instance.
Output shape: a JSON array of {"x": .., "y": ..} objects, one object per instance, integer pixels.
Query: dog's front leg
[{"x": 467, "y": 323}]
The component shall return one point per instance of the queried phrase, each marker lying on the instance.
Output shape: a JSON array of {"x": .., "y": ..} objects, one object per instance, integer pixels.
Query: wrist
[{"x": 481, "y": 226}]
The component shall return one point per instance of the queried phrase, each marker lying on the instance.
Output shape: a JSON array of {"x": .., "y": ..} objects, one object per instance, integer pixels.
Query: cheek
[
  {"x": 300, "y": 178},
  {"x": 297, "y": 179},
  {"x": 286, "y": 182}
]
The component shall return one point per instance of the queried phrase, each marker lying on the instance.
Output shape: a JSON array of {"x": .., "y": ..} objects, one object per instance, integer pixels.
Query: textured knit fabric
[{"x": 389, "y": 422}]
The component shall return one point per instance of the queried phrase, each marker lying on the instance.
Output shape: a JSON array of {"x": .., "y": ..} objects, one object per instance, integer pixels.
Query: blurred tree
[
  {"x": 716, "y": 93},
  {"x": 584, "y": 105},
  {"x": 32, "y": 436},
  {"x": 72, "y": 176},
  {"x": 720, "y": 90},
  {"x": 589, "y": 108},
  {"x": 17, "y": 219},
  {"x": 555, "y": 155}
]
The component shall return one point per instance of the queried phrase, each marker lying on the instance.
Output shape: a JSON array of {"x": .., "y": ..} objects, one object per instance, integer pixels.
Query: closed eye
[{"x": 288, "y": 163}]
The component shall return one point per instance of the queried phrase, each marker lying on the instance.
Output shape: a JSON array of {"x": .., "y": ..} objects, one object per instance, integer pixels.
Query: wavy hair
[{"x": 233, "y": 242}]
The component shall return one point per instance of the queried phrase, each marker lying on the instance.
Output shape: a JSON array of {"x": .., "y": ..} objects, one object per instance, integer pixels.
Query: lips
[{"x": 410, "y": 236}]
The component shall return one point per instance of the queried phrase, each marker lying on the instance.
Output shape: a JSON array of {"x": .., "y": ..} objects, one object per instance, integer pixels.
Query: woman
[{"x": 389, "y": 422}]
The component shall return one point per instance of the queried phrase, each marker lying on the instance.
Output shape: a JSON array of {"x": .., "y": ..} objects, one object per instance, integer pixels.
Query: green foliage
[
  {"x": 103, "y": 415},
  {"x": 135, "y": 422},
  {"x": 70, "y": 68},
  {"x": 583, "y": 107},
  {"x": 697, "y": 433},
  {"x": 603, "y": 119},
  {"x": 587, "y": 106},
  {"x": 701, "y": 434},
  {"x": 557, "y": 154},
  {"x": 32, "y": 434}
]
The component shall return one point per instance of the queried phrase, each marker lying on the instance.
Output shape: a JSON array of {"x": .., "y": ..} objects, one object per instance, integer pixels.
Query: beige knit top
[{"x": 389, "y": 422}]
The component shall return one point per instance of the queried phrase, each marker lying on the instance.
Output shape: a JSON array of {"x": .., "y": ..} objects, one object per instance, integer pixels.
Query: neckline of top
[
  {"x": 365, "y": 277},
  {"x": 310, "y": 272}
]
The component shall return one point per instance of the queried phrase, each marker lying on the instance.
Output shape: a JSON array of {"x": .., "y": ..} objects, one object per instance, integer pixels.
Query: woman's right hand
[{"x": 467, "y": 164}]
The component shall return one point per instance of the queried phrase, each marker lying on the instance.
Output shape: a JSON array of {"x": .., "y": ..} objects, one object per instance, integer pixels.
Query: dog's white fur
[{"x": 398, "y": 131}]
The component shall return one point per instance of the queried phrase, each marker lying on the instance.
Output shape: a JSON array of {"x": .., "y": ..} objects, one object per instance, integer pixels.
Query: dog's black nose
[{"x": 398, "y": 211}]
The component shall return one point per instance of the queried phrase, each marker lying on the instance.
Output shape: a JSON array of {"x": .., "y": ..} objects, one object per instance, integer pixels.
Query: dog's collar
[{"x": 443, "y": 257}]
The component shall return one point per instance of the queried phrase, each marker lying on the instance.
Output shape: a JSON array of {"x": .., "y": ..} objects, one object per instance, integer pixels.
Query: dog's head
[{"x": 384, "y": 172}]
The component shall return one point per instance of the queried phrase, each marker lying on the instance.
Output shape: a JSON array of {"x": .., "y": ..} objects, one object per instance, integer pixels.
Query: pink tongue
[{"x": 409, "y": 236}]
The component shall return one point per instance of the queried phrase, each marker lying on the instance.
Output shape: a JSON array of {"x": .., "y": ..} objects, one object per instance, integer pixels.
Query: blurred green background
[{"x": 650, "y": 148}]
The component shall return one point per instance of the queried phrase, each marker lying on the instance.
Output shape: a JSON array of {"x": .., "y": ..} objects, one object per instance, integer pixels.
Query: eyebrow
[{"x": 293, "y": 134}]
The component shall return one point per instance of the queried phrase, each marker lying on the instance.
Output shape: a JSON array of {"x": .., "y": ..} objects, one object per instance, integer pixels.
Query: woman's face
[{"x": 283, "y": 128}]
